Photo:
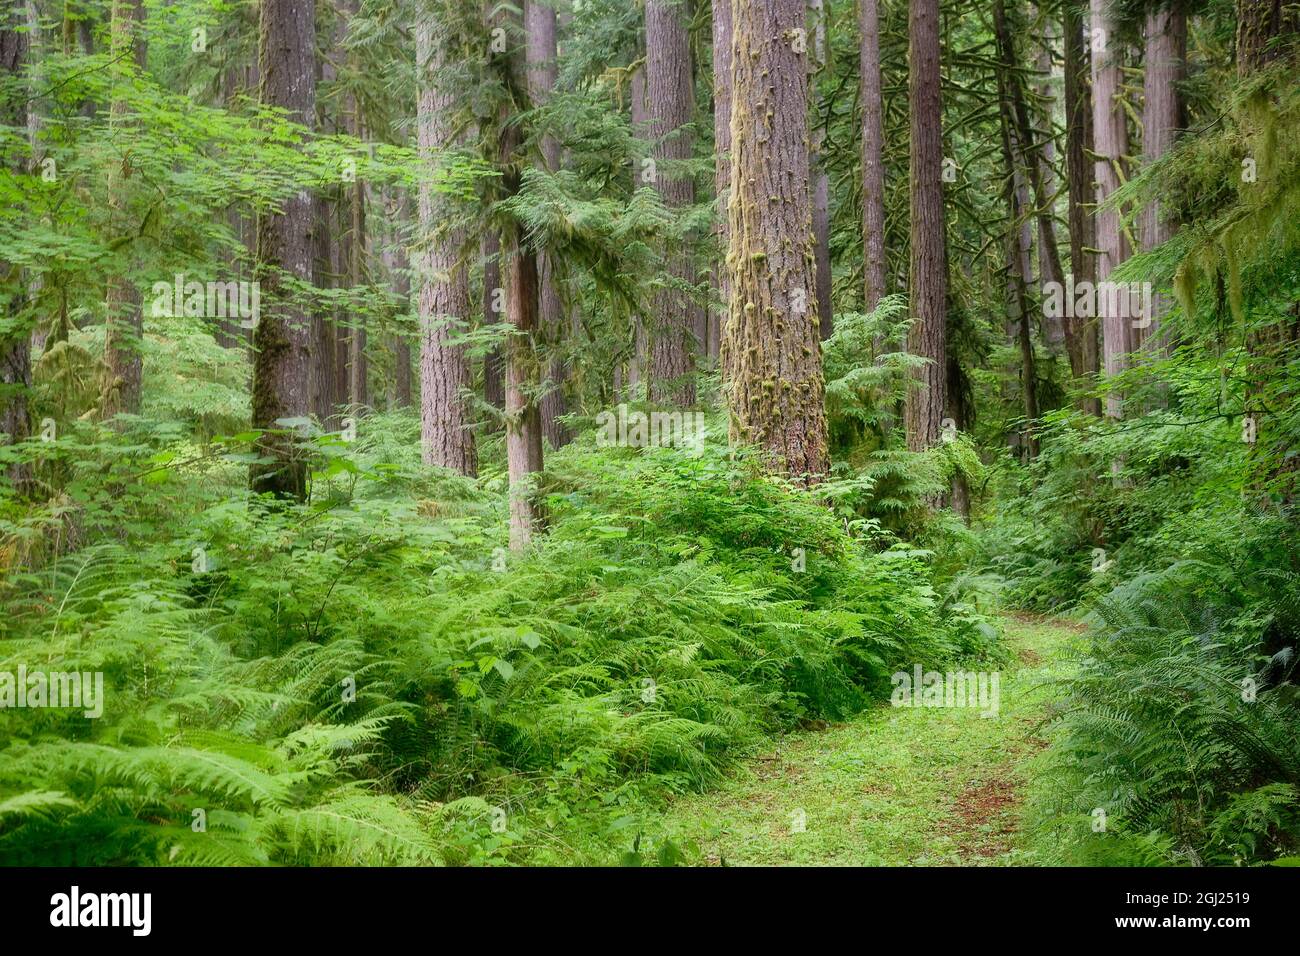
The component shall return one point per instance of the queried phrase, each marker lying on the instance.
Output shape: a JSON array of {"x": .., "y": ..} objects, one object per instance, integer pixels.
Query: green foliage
[{"x": 372, "y": 679}]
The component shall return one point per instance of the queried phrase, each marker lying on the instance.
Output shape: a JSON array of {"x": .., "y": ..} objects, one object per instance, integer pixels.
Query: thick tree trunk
[
  {"x": 1110, "y": 130},
  {"x": 283, "y": 367},
  {"x": 873, "y": 145},
  {"x": 927, "y": 338},
  {"x": 1162, "y": 117},
  {"x": 771, "y": 351},
  {"x": 1258, "y": 23},
  {"x": 444, "y": 305},
  {"x": 721, "y": 159},
  {"x": 1082, "y": 338},
  {"x": 670, "y": 102},
  {"x": 123, "y": 313}
]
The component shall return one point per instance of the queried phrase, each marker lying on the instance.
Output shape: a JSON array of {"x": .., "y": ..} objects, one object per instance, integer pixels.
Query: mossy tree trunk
[
  {"x": 1081, "y": 340},
  {"x": 771, "y": 349},
  {"x": 721, "y": 158},
  {"x": 283, "y": 368},
  {"x": 1110, "y": 132},
  {"x": 15, "y": 350}
]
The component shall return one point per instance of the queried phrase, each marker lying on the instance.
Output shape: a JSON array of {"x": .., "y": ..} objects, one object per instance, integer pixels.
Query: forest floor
[{"x": 928, "y": 786}]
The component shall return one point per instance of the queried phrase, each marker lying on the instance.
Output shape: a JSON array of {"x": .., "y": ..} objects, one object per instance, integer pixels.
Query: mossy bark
[
  {"x": 1110, "y": 131},
  {"x": 771, "y": 349}
]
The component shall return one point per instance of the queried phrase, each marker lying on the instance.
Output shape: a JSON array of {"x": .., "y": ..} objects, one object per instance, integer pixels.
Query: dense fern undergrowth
[
  {"x": 372, "y": 680},
  {"x": 1175, "y": 733}
]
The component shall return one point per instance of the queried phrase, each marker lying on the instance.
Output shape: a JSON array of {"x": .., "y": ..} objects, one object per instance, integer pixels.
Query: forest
[{"x": 598, "y": 433}]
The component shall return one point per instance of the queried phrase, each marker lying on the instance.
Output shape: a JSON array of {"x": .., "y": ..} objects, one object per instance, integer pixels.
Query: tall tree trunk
[
  {"x": 1162, "y": 117},
  {"x": 1110, "y": 130},
  {"x": 873, "y": 145},
  {"x": 927, "y": 338},
  {"x": 1030, "y": 162},
  {"x": 671, "y": 104},
  {"x": 494, "y": 392},
  {"x": 721, "y": 158},
  {"x": 821, "y": 181},
  {"x": 523, "y": 420},
  {"x": 639, "y": 365},
  {"x": 325, "y": 328},
  {"x": 358, "y": 370},
  {"x": 15, "y": 348},
  {"x": 397, "y": 264},
  {"x": 541, "y": 52},
  {"x": 444, "y": 306},
  {"x": 283, "y": 367},
  {"x": 771, "y": 352},
  {"x": 1082, "y": 340},
  {"x": 123, "y": 313}
]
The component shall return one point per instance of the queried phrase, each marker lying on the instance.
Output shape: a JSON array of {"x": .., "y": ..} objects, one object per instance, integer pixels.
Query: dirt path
[{"x": 896, "y": 785}]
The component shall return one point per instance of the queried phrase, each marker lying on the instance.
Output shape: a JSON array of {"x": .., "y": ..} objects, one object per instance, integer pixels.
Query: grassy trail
[{"x": 924, "y": 785}]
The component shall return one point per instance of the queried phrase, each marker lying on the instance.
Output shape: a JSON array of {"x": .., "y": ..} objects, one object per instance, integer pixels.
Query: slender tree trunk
[
  {"x": 821, "y": 181},
  {"x": 638, "y": 367},
  {"x": 523, "y": 420},
  {"x": 873, "y": 145},
  {"x": 1110, "y": 130},
  {"x": 1162, "y": 117},
  {"x": 927, "y": 338},
  {"x": 324, "y": 328},
  {"x": 444, "y": 285},
  {"x": 541, "y": 52},
  {"x": 771, "y": 352},
  {"x": 1019, "y": 239},
  {"x": 397, "y": 264},
  {"x": 123, "y": 313},
  {"x": 670, "y": 102},
  {"x": 1082, "y": 338},
  {"x": 494, "y": 298},
  {"x": 721, "y": 159},
  {"x": 358, "y": 370},
  {"x": 283, "y": 367},
  {"x": 15, "y": 348}
]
